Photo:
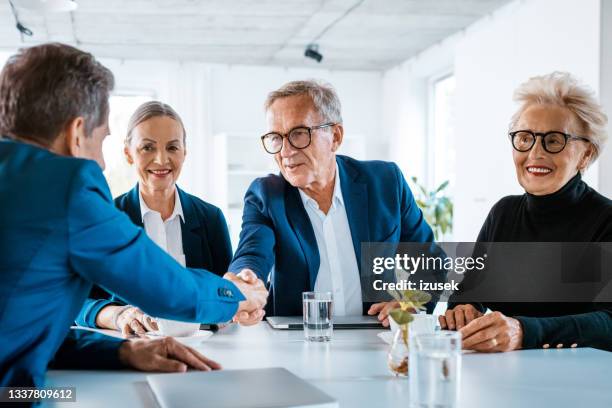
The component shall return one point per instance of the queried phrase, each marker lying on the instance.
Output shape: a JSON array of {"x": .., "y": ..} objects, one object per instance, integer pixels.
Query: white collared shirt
[
  {"x": 166, "y": 234},
  {"x": 338, "y": 271}
]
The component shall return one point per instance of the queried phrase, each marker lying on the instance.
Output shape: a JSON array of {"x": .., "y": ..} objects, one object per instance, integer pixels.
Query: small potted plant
[{"x": 410, "y": 301}]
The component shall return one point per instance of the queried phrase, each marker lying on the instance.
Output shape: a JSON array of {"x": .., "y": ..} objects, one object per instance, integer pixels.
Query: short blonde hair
[{"x": 564, "y": 90}]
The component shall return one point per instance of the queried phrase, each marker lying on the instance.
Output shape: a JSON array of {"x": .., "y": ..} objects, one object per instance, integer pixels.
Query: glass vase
[{"x": 398, "y": 353}]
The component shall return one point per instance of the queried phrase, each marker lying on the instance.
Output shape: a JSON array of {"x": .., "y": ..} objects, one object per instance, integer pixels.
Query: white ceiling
[{"x": 376, "y": 35}]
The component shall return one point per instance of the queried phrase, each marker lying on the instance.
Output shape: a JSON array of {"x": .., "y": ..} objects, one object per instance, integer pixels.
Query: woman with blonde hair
[
  {"x": 191, "y": 230},
  {"x": 557, "y": 132}
]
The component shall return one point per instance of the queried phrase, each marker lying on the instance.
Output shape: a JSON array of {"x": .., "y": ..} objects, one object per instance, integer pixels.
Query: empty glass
[
  {"x": 435, "y": 369},
  {"x": 317, "y": 312}
]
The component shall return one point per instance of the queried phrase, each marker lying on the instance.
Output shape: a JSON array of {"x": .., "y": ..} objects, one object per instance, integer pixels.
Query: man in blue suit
[
  {"x": 305, "y": 226},
  {"x": 60, "y": 232}
]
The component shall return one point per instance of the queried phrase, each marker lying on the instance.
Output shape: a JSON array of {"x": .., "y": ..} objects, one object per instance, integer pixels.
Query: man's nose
[{"x": 287, "y": 150}]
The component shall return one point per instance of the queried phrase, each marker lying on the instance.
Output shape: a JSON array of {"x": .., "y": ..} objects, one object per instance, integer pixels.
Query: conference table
[{"x": 352, "y": 368}]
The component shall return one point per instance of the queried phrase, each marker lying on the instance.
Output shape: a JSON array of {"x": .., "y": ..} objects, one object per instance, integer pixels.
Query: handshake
[{"x": 250, "y": 311}]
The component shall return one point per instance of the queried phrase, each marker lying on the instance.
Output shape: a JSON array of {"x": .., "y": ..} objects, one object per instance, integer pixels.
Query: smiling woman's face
[
  {"x": 538, "y": 171},
  {"x": 158, "y": 151}
]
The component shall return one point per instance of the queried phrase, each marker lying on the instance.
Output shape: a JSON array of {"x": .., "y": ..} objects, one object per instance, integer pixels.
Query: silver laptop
[
  {"x": 340, "y": 322},
  {"x": 259, "y": 388}
]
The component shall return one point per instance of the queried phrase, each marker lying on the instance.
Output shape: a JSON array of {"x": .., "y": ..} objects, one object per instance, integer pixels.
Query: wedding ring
[{"x": 494, "y": 342}]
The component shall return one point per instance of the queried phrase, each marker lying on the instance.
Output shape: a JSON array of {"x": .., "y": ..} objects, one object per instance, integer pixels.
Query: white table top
[{"x": 353, "y": 369}]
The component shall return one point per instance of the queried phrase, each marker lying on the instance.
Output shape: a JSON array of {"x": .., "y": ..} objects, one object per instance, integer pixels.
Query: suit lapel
[
  {"x": 193, "y": 239},
  {"x": 299, "y": 221},
  {"x": 355, "y": 195},
  {"x": 132, "y": 209}
]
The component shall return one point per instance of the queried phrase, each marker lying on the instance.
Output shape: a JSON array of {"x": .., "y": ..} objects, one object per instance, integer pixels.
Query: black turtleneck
[{"x": 575, "y": 213}]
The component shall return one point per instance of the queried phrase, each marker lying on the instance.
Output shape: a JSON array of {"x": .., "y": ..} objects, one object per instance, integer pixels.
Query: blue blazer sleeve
[
  {"x": 107, "y": 249},
  {"x": 87, "y": 350},
  {"x": 89, "y": 311},
  {"x": 256, "y": 247}
]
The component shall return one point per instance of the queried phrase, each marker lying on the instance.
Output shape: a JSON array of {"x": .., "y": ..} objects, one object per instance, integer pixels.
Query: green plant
[
  {"x": 437, "y": 208},
  {"x": 410, "y": 302}
]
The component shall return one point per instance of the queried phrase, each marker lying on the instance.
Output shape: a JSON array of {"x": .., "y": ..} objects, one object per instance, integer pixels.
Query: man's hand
[
  {"x": 250, "y": 311},
  {"x": 383, "y": 309},
  {"x": 492, "y": 332},
  {"x": 165, "y": 355},
  {"x": 458, "y": 317}
]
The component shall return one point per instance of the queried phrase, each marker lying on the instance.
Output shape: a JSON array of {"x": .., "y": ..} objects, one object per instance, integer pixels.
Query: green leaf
[
  {"x": 400, "y": 316},
  {"x": 442, "y": 186},
  {"x": 417, "y": 296}
]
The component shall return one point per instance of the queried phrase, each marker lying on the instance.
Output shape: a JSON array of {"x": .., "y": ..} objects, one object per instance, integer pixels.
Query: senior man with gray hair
[{"x": 305, "y": 226}]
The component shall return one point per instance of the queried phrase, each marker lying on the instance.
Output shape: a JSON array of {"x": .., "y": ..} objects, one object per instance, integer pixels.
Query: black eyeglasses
[
  {"x": 298, "y": 137},
  {"x": 553, "y": 142}
]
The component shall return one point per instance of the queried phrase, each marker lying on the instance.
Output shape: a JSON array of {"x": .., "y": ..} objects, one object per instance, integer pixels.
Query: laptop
[
  {"x": 258, "y": 388},
  {"x": 340, "y": 322}
]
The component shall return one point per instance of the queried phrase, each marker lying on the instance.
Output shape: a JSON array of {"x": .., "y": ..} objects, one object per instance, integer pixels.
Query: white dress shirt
[
  {"x": 166, "y": 234},
  {"x": 338, "y": 271}
]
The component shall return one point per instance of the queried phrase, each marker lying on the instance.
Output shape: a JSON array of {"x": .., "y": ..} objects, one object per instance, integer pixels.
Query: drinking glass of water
[
  {"x": 317, "y": 311},
  {"x": 435, "y": 369}
]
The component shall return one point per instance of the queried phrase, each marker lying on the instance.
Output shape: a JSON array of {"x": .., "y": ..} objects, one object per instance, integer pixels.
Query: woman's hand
[
  {"x": 127, "y": 319},
  {"x": 166, "y": 354},
  {"x": 131, "y": 320},
  {"x": 458, "y": 317},
  {"x": 382, "y": 309},
  {"x": 492, "y": 332}
]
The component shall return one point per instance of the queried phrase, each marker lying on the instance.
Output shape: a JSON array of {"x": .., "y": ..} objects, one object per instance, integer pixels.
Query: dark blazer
[
  {"x": 276, "y": 230},
  {"x": 206, "y": 244},
  {"x": 59, "y": 234}
]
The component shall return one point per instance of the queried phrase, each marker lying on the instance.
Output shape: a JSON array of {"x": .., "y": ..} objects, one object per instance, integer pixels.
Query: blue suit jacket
[
  {"x": 276, "y": 230},
  {"x": 59, "y": 233},
  {"x": 206, "y": 244}
]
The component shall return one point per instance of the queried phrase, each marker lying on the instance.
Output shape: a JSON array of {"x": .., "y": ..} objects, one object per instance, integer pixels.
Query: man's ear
[
  {"x": 337, "y": 136},
  {"x": 74, "y": 133}
]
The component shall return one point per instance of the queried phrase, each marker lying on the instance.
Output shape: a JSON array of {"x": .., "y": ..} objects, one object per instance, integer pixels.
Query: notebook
[{"x": 256, "y": 388}]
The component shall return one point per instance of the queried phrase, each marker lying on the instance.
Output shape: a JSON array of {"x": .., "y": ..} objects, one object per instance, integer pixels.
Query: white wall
[
  {"x": 490, "y": 59},
  {"x": 605, "y": 77},
  {"x": 405, "y": 105}
]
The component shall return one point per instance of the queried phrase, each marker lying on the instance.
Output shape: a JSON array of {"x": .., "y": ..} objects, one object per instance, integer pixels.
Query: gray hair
[
  {"x": 564, "y": 90},
  {"x": 323, "y": 95},
  {"x": 148, "y": 110}
]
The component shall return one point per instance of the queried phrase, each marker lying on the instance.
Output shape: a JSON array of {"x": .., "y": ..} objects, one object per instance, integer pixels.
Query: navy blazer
[
  {"x": 276, "y": 230},
  {"x": 206, "y": 244},
  {"x": 59, "y": 234}
]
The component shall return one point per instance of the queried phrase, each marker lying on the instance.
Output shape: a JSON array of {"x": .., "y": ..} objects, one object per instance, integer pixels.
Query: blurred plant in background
[{"x": 437, "y": 208}]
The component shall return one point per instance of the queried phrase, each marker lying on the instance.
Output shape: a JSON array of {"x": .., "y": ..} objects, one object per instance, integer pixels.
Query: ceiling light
[{"x": 46, "y": 6}]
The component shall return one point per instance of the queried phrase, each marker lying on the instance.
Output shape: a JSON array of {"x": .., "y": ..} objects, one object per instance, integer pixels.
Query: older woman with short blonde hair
[{"x": 557, "y": 132}]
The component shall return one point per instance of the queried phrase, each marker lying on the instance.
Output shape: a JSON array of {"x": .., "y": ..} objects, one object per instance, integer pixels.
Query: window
[
  {"x": 441, "y": 142},
  {"x": 120, "y": 175}
]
